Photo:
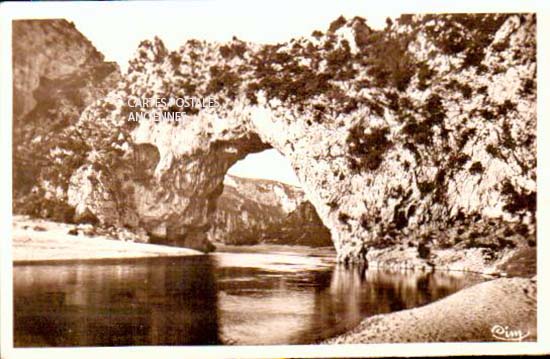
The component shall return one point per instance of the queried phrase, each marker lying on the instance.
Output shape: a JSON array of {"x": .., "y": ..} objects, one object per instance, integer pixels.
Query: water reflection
[
  {"x": 225, "y": 298},
  {"x": 355, "y": 293},
  {"x": 148, "y": 301}
]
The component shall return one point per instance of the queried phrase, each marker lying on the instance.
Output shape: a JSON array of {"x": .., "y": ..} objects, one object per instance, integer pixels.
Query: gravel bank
[{"x": 470, "y": 315}]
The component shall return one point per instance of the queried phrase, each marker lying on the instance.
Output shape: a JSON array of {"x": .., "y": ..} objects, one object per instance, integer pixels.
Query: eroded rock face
[
  {"x": 57, "y": 73},
  {"x": 252, "y": 211},
  {"x": 426, "y": 122}
]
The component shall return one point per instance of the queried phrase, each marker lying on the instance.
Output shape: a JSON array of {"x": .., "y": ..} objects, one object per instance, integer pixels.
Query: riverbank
[
  {"x": 35, "y": 240},
  {"x": 499, "y": 309},
  {"x": 504, "y": 308},
  {"x": 516, "y": 262}
]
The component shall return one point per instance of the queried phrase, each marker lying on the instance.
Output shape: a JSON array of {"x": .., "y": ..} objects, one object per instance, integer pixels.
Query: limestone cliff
[
  {"x": 57, "y": 72},
  {"x": 252, "y": 211},
  {"x": 429, "y": 122}
]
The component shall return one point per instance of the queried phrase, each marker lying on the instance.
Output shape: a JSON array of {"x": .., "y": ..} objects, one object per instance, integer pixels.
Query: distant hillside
[{"x": 251, "y": 211}]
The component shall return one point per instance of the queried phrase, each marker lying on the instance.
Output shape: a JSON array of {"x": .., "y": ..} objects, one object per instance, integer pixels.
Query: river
[{"x": 247, "y": 295}]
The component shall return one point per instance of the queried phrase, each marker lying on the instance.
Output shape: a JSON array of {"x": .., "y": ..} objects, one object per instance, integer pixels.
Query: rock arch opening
[{"x": 263, "y": 203}]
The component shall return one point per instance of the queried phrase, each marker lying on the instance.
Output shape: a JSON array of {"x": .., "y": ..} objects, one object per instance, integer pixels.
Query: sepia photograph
[{"x": 196, "y": 176}]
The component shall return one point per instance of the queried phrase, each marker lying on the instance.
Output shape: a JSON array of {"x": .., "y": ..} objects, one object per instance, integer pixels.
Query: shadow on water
[
  {"x": 148, "y": 301},
  {"x": 230, "y": 298}
]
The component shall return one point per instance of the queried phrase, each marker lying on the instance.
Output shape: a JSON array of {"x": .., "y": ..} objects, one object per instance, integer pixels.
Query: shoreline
[
  {"x": 475, "y": 314},
  {"x": 43, "y": 241},
  {"x": 36, "y": 241},
  {"x": 467, "y": 261}
]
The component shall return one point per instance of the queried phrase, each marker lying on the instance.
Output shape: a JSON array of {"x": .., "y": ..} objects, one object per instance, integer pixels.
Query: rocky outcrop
[
  {"x": 57, "y": 73},
  {"x": 429, "y": 122},
  {"x": 252, "y": 211}
]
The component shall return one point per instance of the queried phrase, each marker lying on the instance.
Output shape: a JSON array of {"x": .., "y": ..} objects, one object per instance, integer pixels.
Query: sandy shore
[
  {"x": 484, "y": 312},
  {"x": 38, "y": 240}
]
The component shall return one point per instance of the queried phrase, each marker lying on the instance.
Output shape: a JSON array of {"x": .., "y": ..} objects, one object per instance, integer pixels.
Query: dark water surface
[{"x": 224, "y": 298}]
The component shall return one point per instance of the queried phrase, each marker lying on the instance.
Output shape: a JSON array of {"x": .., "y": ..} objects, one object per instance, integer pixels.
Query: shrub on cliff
[
  {"x": 388, "y": 59},
  {"x": 223, "y": 78},
  {"x": 367, "y": 150},
  {"x": 67, "y": 154},
  {"x": 469, "y": 34},
  {"x": 337, "y": 24},
  {"x": 235, "y": 49},
  {"x": 35, "y": 204},
  {"x": 423, "y": 250},
  {"x": 281, "y": 76},
  {"x": 519, "y": 200},
  {"x": 476, "y": 168},
  {"x": 420, "y": 132}
]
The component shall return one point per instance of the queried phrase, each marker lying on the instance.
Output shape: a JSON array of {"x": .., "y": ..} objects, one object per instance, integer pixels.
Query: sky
[
  {"x": 269, "y": 164},
  {"x": 116, "y": 33}
]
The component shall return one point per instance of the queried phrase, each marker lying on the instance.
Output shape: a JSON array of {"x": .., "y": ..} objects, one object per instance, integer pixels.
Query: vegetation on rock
[{"x": 423, "y": 114}]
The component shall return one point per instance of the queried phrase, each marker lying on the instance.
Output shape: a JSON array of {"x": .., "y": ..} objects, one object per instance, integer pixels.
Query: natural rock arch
[
  {"x": 178, "y": 197},
  {"x": 387, "y": 131}
]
